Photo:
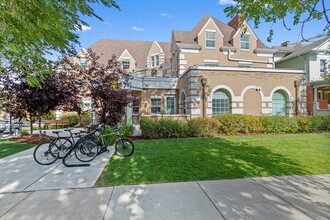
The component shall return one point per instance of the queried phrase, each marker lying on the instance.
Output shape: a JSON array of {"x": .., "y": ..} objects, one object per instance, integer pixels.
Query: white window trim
[
  {"x": 215, "y": 39},
  {"x": 240, "y": 42},
  {"x": 155, "y": 97},
  {"x": 167, "y": 96}
]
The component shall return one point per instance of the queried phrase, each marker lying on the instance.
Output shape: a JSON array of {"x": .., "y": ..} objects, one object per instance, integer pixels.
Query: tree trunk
[
  {"x": 31, "y": 125},
  {"x": 39, "y": 124}
]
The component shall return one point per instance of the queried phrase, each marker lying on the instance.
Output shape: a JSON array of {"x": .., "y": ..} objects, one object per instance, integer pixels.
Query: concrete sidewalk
[
  {"x": 289, "y": 197},
  {"x": 19, "y": 173}
]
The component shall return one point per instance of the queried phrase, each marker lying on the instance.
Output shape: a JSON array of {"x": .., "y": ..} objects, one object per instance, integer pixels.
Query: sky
[{"x": 152, "y": 20}]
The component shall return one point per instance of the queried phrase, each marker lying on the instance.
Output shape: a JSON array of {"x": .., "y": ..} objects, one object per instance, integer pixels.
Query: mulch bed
[{"x": 32, "y": 139}]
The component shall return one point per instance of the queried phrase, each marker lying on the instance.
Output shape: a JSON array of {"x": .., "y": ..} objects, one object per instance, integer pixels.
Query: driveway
[{"x": 20, "y": 173}]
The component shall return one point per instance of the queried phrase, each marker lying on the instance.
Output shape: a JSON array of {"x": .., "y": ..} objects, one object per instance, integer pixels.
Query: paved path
[
  {"x": 19, "y": 173},
  {"x": 290, "y": 197}
]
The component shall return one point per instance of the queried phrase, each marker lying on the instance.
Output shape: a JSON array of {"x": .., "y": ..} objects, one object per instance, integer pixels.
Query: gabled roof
[
  {"x": 105, "y": 48},
  {"x": 301, "y": 49},
  {"x": 188, "y": 37}
]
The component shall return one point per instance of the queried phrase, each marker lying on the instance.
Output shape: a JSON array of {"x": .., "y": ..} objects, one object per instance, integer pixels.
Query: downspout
[{"x": 244, "y": 60}]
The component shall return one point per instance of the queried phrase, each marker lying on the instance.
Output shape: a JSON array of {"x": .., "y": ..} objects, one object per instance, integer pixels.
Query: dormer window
[
  {"x": 83, "y": 62},
  {"x": 245, "y": 42},
  {"x": 155, "y": 60},
  {"x": 210, "y": 39},
  {"x": 126, "y": 64}
]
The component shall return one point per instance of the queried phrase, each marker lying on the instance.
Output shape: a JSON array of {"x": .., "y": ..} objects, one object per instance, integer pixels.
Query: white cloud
[
  {"x": 166, "y": 15},
  {"x": 226, "y": 2},
  {"x": 137, "y": 29},
  {"x": 85, "y": 28},
  {"x": 107, "y": 23}
]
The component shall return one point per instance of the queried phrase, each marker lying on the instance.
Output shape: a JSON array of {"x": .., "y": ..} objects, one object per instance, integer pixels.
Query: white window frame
[
  {"x": 83, "y": 62},
  {"x": 174, "y": 101},
  {"x": 323, "y": 67},
  {"x": 320, "y": 95},
  {"x": 247, "y": 42},
  {"x": 129, "y": 63},
  {"x": 207, "y": 38},
  {"x": 160, "y": 106}
]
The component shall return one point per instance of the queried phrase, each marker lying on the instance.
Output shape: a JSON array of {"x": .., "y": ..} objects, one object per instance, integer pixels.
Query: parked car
[{"x": 4, "y": 125}]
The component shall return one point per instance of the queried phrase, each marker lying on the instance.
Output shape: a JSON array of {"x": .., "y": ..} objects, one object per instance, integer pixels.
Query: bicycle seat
[
  {"x": 69, "y": 129},
  {"x": 57, "y": 132}
]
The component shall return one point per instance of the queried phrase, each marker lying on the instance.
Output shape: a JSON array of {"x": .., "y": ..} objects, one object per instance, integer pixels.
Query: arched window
[
  {"x": 221, "y": 102},
  {"x": 279, "y": 100},
  {"x": 183, "y": 103}
]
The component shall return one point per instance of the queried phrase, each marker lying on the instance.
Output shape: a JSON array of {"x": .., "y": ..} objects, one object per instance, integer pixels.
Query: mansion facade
[{"x": 215, "y": 68}]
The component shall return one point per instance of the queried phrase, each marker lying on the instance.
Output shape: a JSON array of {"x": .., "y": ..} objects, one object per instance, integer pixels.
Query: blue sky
[{"x": 150, "y": 20}]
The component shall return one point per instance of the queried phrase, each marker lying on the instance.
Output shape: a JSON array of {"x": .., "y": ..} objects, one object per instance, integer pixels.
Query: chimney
[{"x": 286, "y": 44}]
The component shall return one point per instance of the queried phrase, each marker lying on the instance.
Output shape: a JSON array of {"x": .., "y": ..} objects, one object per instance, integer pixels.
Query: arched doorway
[{"x": 279, "y": 103}]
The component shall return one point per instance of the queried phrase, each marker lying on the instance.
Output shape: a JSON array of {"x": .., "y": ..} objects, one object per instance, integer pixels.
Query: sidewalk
[{"x": 289, "y": 197}]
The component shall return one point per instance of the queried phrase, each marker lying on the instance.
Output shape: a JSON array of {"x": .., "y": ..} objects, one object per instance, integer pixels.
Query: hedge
[{"x": 231, "y": 124}]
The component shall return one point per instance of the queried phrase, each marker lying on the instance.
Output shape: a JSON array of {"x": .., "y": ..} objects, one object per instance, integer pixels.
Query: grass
[
  {"x": 191, "y": 159},
  {"x": 8, "y": 148}
]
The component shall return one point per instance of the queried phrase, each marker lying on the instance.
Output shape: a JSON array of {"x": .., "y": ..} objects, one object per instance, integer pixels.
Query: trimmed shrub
[
  {"x": 164, "y": 128},
  {"x": 279, "y": 124},
  {"x": 304, "y": 123},
  {"x": 204, "y": 127},
  {"x": 230, "y": 123}
]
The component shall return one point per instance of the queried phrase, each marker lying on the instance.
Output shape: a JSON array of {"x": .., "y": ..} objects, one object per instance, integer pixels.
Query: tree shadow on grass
[{"x": 180, "y": 160}]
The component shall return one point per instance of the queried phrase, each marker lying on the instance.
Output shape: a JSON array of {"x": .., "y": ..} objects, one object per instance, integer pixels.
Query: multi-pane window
[
  {"x": 183, "y": 103},
  {"x": 155, "y": 105},
  {"x": 170, "y": 105},
  {"x": 323, "y": 67},
  {"x": 83, "y": 62},
  {"x": 152, "y": 61},
  {"x": 155, "y": 60},
  {"x": 126, "y": 64},
  {"x": 279, "y": 103},
  {"x": 220, "y": 102},
  {"x": 136, "y": 105},
  {"x": 245, "y": 42},
  {"x": 210, "y": 40}
]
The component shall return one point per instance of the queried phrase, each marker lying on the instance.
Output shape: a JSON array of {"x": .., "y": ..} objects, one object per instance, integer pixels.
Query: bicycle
[
  {"x": 123, "y": 146},
  {"x": 48, "y": 152}
]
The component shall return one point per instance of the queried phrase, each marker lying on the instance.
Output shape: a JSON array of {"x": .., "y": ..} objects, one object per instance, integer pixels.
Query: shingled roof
[
  {"x": 188, "y": 37},
  {"x": 105, "y": 48},
  {"x": 301, "y": 49}
]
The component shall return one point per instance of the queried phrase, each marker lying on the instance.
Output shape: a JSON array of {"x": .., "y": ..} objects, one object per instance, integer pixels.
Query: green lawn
[
  {"x": 8, "y": 148},
  {"x": 191, "y": 159}
]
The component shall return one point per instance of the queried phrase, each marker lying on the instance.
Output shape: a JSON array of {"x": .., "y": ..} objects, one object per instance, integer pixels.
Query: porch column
[{"x": 315, "y": 107}]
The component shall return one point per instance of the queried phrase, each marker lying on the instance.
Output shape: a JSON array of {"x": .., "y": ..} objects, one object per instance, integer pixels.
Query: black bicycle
[
  {"x": 48, "y": 152},
  {"x": 123, "y": 146}
]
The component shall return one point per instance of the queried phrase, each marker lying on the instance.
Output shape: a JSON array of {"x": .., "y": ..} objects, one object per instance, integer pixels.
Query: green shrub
[
  {"x": 109, "y": 138},
  {"x": 50, "y": 116},
  {"x": 127, "y": 130},
  {"x": 75, "y": 120},
  {"x": 204, "y": 127},
  {"x": 24, "y": 132},
  {"x": 304, "y": 123},
  {"x": 230, "y": 123},
  {"x": 279, "y": 124},
  {"x": 164, "y": 128}
]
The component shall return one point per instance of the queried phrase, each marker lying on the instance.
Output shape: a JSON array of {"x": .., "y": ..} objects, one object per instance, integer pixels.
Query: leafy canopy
[
  {"x": 31, "y": 29},
  {"x": 279, "y": 10}
]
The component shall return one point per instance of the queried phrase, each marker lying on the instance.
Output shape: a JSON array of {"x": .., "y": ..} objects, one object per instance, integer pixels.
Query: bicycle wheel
[
  {"x": 62, "y": 145},
  {"x": 86, "y": 151},
  {"x": 124, "y": 147},
  {"x": 44, "y": 154}
]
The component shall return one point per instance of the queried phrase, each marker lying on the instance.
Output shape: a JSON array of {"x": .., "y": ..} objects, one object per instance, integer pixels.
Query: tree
[
  {"x": 108, "y": 86},
  {"x": 21, "y": 100},
  {"x": 31, "y": 29},
  {"x": 273, "y": 11}
]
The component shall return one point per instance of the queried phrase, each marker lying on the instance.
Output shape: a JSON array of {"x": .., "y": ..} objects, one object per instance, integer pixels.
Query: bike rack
[{"x": 73, "y": 165}]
